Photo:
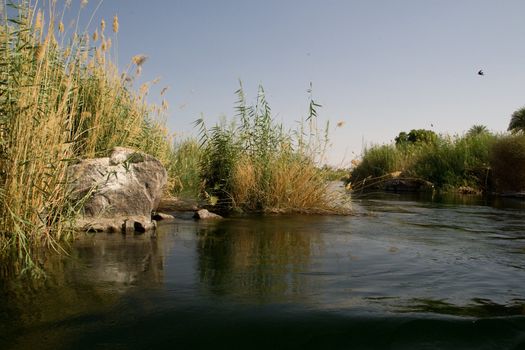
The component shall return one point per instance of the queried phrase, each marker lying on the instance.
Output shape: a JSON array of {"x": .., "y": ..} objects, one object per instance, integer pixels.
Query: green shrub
[
  {"x": 416, "y": 136},
  {"x": 220, "y": 153},
  {"x": 507, "y": 159},
  {"x": 184, "y": 168},
  {"x": 447, "y": 162},
  {"x": 378, "y": 161},
  {"x": 454, "y": 162}
]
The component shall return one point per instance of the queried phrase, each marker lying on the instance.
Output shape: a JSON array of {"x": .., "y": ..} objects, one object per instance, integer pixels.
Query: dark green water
[{"x": 403, "y": 274}]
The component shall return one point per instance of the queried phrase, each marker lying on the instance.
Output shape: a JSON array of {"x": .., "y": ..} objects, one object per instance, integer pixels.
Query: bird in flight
[{"x": 480, "y": 72}]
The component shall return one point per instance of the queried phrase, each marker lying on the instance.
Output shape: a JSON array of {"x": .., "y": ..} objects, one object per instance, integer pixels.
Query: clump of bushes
[
  {"x": 508, "y": 163},
  {"x": 447, "y": 162},
  {"x": 378, "y": 161},
  {"x": 450, "y": 163},
  {"x": 253, "y": 164}
]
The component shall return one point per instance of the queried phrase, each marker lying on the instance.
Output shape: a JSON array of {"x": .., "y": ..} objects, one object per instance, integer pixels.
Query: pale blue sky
[{"x": 379, "y": 66}]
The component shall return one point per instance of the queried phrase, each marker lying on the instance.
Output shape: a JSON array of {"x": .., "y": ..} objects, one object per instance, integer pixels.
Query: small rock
[
  {"x": 162, "y": 216},
  {"x": 468, "y": 190},
  {"x": 204, "y": 214}
]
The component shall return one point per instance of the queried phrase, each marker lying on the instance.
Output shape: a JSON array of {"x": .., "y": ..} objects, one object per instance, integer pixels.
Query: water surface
[{"x": 403, "y": 273}]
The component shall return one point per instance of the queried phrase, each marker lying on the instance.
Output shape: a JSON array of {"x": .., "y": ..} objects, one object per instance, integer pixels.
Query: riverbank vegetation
[
  {"x": 61, "y": 98},
  {"x": 252, "y": 163},
  {"x": 477, "y": 161}
]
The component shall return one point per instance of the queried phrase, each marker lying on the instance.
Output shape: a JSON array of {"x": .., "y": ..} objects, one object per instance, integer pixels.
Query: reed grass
[
  {"x": 184, "y": 168},
  {"x": 448, "y": 162},
  {"x": 253, "y": 164},
  {"x": 61, "y": 98}
]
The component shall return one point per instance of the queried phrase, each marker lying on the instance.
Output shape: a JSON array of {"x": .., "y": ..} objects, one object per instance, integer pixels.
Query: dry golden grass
[
  {"x": 244, "y": 181},
  {"x": 294, "y": 184},
  {"x": 60, "y": 102}
]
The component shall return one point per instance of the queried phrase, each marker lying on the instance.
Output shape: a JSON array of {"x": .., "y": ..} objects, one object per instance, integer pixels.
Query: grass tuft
[{"x": 253, "y": 164}]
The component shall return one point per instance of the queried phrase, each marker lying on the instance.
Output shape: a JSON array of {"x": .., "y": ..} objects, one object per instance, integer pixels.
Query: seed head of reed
[
  {"x": 39, "y": 21},
  {"x": 139, "y": 60},
  {"x": 40, "y": 51},
  {"x": 115, "y": 24}
]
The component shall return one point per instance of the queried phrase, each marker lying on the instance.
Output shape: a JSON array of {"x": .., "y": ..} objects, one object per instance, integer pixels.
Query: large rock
[{"x": 120, "y": 191}]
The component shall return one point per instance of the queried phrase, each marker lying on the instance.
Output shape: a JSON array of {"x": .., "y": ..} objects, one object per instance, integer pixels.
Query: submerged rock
[
  {"x": 400, "y": 184},
  {"x": 120, "y": 191},
  {"x": 204, "y": 214},
  {"x": 162, "y": 216},
  {"x": 393, "y": 182},
  {"x": 468, "y": 190}
]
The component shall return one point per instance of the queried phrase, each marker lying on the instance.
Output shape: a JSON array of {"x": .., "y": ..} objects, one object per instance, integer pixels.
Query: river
[{"x": 403, "y": 273}]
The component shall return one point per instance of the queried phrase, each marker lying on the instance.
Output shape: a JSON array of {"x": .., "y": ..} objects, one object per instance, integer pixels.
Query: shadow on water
[{"x": 418, "y": 274}]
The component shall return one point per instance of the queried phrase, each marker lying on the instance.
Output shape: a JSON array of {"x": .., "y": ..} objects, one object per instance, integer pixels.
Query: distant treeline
[{"x": 478, "y": 160}]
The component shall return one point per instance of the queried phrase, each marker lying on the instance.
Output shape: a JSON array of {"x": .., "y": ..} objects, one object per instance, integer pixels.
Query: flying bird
[{"x": 480, "y": 72}]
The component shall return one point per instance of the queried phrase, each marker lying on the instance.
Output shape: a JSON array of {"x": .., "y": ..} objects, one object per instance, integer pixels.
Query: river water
[{"x": 403, "y": 273}]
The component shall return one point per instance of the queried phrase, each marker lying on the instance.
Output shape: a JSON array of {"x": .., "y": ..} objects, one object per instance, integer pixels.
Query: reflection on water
[
  {"x": 259, "y": 261},
  {"x": 119, "y": 262},
  {"x": 412, "y": 273},
  {"x": 91, "y": 279}
]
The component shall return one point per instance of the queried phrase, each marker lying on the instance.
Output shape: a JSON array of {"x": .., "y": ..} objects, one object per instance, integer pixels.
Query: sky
[{"x": 380, "y": 67}]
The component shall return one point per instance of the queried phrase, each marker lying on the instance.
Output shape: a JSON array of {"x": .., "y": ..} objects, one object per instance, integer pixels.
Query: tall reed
[
  {"x": 184, "y": 168},
  {"x": 58, "y": 102},
  {"x": 255, "y": 165}
]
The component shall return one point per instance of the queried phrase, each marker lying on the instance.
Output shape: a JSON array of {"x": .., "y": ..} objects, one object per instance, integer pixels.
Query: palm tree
[
  {"x": 517, "y": 121},
  {"x": 477, "y": 130}
]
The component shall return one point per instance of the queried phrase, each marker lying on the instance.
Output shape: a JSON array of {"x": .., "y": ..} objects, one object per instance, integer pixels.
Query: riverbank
[{"x": 472, "y": 163}]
